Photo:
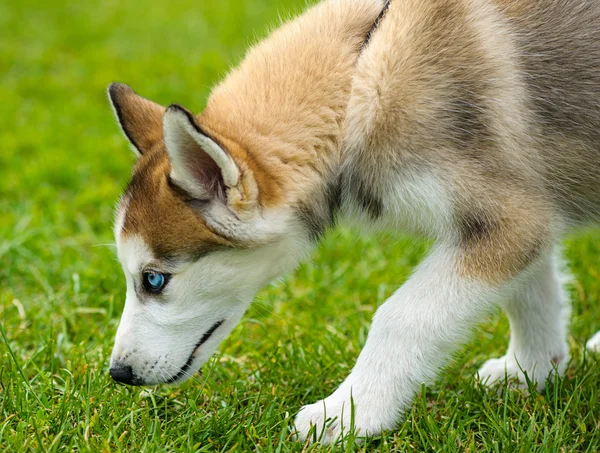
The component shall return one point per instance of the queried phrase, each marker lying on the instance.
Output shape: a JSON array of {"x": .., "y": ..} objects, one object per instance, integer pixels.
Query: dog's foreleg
[{"x": 413, "y": 334}]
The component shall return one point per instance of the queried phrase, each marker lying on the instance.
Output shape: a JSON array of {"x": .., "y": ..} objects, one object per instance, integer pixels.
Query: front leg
[{"x": 412, "y": 336}]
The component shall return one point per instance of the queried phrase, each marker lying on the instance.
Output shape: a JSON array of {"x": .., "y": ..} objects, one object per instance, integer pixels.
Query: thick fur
[{"x": 475, "y": 123}]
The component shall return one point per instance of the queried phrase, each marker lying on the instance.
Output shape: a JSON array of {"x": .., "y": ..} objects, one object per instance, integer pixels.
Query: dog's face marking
[{"x": 160, "y": 215}]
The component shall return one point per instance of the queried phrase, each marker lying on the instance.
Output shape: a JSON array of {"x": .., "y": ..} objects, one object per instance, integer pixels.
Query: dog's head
[
  {"x": 221, "y": 203},
  {"x": 194, "y": 238}
]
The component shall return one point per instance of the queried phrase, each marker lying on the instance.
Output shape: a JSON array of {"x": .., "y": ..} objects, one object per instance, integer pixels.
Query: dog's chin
[
  {"x": 180, "y": 380},
  {"x": 174, "y": 380},
  {"x": 192, "y": 370}
]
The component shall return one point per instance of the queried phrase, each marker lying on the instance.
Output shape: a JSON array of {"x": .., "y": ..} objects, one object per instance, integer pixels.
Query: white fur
[
  {"x": 593, "y": 344},
  {"x": 412, "y": 335},
  {"x": 417, "y": 203},
  {"x": 538, "y": 313},
  {"x": 120, "y": 210},
  {"x": 258, "y": 227}
]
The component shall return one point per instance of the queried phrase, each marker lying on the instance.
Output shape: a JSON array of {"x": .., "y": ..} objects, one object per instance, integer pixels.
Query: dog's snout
[{"x": 122, "y": 373}]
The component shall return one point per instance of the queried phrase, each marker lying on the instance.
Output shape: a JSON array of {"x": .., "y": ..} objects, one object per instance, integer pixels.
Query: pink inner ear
[
  {"x": 205, "y": 172},
  {"x": 193, "y": 168}
]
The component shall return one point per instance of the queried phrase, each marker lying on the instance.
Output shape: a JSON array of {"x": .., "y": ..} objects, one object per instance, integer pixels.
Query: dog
[{"x": 475, "y": 123}]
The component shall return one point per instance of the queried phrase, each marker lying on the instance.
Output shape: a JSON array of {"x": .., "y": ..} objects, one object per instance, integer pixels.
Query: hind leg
[{"x": 538, "y": 313}]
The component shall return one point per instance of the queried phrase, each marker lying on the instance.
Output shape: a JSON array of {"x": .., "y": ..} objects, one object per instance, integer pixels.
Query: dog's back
[
  {"x": 486, "y": 99},
  {"x": 559, "y": 56}
]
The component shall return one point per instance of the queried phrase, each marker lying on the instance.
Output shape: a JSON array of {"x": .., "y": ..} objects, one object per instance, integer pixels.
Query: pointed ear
[
  {"x": 139, "y": 118},
  {"x": 198, "y": 163}
]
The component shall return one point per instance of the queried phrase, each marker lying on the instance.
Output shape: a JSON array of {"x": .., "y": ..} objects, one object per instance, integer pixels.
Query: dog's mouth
[{"x": 186, "y": 366}]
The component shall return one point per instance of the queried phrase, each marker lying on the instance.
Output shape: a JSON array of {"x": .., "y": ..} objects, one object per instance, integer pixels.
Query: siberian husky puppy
[{"x": 475, "y": 123}]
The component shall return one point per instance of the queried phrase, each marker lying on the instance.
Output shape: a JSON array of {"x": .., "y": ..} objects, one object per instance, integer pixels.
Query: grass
[{"x": 62, "y": 166}]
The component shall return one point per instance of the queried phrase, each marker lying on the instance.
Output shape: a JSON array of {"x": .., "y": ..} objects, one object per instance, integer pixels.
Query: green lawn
[{"x": 63, "y": 163}]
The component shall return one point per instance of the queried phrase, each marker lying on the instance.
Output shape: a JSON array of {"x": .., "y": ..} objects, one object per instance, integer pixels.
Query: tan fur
[
  {"x": 284, "y": 106},
  {"x": 279, "y": 116}
]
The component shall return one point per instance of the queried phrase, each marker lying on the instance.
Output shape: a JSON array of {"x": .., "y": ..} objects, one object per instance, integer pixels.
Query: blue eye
[{"x": 154, "y": 282}]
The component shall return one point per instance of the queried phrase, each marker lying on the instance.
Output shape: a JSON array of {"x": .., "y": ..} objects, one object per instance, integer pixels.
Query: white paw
[
  {"x": 593, "y": 343},
  {"x": 496, "y": 370},
  {"x": 336, "y": 417}
]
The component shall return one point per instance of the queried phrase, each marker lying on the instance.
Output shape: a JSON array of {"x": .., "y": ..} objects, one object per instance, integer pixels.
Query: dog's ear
[
  {"x": 199, "y": 165},
  {"x": 139, "y": 118}
]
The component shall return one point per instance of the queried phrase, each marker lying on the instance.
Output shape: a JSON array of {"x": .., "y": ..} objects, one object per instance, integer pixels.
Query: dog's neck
[{"x": 282, "y": 110}]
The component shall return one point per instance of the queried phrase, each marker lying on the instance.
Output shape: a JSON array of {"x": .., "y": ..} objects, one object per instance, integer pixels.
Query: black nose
[{"x": 122, "y": 373}]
